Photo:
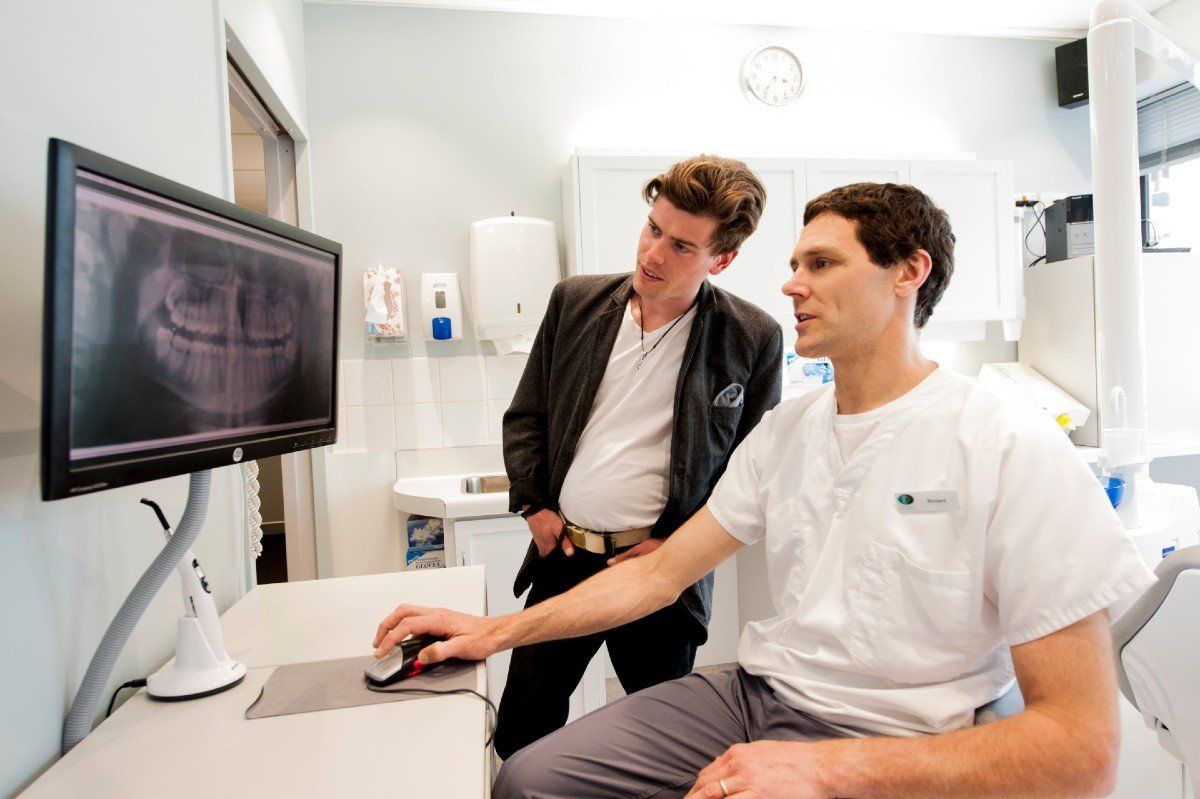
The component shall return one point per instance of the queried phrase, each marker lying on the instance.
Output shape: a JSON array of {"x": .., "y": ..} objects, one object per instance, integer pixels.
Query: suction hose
[{"x": 87, "y": 698}]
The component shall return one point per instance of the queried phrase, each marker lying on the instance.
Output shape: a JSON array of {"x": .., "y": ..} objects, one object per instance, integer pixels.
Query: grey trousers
[{"x": 652, "y": 744}]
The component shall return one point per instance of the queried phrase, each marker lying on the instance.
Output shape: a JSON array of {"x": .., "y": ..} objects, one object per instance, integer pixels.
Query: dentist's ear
[
  {"x": 912, "y": 273},
  {"x": 722, "y": 263}
]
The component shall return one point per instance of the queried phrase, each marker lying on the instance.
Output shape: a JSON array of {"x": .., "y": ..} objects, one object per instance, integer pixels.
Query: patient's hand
[
  {"x": 467, "y": 637},
  {"x": 546, "y": 527},
  {"x": 764, "y": 770}
]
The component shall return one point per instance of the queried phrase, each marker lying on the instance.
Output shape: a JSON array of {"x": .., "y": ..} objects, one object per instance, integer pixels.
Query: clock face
[{"x": 773, "y": 75}]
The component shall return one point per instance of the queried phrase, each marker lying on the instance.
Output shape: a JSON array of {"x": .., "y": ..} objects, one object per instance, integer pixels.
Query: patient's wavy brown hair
[
  {"x": 718, "y": 188},
  {"x": 895, "y": 221}
]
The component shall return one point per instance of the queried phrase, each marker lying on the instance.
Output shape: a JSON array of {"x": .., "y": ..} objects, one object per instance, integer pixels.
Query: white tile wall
[
  {"x": 502, "y": 373},
  {"x": 416, "y": 380},
  {"x": 462, "y": 379},
  {"x": 370, "y": 428},
  {"x": 464, "y": 424},
  {"x": 424, "y": 403},
  {"x": 496, "y": 409},
  {"x": 367, "y": 382},
  {"x": 342, "y": 446},
  {"x": 418, "y": 426}
]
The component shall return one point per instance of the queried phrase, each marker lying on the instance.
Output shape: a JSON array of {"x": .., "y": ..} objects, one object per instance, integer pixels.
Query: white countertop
[
  {"x": 1154, "y": 449},
  {"x": 422, "y": 748},
  {"x": 336, "y": 617},
  {"x": 443, "y": 498}
]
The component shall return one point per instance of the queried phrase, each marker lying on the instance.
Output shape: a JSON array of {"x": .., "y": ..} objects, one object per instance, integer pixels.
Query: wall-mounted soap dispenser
[{"x": 441, "y": 306}]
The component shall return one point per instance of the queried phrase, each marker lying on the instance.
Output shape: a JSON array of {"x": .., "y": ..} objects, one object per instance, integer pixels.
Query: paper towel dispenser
[{"x": 514, "y": 266}]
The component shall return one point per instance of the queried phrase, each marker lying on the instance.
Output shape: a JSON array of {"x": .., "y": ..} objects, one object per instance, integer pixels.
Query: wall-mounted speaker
[{"x": 1070, "y": 64}]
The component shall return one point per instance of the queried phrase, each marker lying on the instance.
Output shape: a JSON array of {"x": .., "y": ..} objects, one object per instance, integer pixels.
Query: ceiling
[{"x": 1043, "y": 19}]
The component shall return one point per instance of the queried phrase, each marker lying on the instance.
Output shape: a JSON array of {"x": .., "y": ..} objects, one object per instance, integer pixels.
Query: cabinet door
[
  {"x": 978, "y": 197},
  {"x": 612, "y": 214},
  {"x": 826, "y": 174},
  {"x": 611, "y": 210},
  {"x": 499, "y": 544},
  {"x": 760, "y": 269}
]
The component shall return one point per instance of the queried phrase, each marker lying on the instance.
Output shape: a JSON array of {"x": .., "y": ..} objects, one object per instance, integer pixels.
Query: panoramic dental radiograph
[{"x": 220, "y": 327}]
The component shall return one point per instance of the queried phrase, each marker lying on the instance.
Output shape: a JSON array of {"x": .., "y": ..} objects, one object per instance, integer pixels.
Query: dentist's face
[
  {"x": 673, "y": 255},
  {"x": 841, "y": 299}
]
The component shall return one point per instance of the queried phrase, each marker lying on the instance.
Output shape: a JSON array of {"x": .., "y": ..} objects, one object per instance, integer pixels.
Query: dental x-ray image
[{"x": 190, "y": 328}]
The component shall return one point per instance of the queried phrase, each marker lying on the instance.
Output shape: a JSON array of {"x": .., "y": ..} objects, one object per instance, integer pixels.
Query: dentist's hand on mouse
[{"x": 467, "y": 637}]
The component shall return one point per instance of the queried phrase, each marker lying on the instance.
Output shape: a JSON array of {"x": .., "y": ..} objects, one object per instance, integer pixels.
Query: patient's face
[
  {"x": 842, "y": 301},
  {"x": 673, "y": 255}
]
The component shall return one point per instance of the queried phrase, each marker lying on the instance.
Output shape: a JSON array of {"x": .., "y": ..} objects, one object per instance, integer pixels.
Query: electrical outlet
[{"x": 1026, "y": 200}]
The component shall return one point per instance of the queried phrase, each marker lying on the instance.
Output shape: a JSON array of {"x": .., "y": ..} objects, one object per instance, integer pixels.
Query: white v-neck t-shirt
[
  {"x": 619, "y": 476},
  {"x": 958, "y": 527}
]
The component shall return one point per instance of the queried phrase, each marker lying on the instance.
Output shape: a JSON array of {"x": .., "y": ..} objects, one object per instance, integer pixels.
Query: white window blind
[{"x": 1169, "y": 127}]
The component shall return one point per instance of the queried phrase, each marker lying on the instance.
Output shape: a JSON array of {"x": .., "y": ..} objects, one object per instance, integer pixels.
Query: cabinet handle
[{"x": 462, "y": 559}]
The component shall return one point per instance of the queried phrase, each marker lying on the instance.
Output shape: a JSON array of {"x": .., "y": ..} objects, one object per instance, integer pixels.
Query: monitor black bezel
[{"x": 59, "y": 479}]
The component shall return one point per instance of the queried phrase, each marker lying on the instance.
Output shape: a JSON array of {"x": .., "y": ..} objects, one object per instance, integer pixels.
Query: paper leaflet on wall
[
  {"x": 383, "y": 298},
  {"x": 808, "y": 371}
]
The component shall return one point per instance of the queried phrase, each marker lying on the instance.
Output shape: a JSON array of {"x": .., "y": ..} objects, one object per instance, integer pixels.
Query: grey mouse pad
[{"x": 329, "y": 684}]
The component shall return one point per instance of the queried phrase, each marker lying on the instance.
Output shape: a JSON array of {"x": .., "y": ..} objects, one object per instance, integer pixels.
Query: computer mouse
[{"x": 401, "y": 663}]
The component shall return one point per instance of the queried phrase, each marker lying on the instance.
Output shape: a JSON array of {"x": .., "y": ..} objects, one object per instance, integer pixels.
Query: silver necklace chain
[{"x": 642, "y": 329}]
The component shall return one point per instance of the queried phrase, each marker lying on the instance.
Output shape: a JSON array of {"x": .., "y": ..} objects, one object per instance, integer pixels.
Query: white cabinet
[
  {"x": 605, "y": 215},
  {"x": 761, "y": 267},
  {"x": 978, "y": 197},
  {"x": 498, "y": 544},
  {"x": 825, "y": 174}
]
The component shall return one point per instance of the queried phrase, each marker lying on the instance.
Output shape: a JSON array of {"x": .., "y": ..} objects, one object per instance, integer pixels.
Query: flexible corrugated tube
[{"x": 87, "y": 698}]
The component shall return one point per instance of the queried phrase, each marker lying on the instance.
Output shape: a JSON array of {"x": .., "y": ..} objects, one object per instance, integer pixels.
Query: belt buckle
[{"x": 597, "y": 543}]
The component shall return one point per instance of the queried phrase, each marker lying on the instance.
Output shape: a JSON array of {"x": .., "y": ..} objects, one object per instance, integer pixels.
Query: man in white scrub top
[{"x": 927, "y": 546}]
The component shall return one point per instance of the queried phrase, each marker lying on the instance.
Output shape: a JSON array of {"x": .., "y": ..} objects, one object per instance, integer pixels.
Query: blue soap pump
[{"x": 441, "y": 306}]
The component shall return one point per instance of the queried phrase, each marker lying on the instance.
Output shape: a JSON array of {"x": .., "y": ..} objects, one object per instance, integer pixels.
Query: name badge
[{"x": 926, "y": 501}]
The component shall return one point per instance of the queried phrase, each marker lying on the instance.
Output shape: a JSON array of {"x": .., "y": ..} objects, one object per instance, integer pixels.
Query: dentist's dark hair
[
  {"x": 718, "y": 188},
  {"x": 893, "y": 222}
]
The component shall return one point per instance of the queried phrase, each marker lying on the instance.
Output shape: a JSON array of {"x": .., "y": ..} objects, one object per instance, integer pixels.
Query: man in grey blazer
[{"x": 637, "y": 390}]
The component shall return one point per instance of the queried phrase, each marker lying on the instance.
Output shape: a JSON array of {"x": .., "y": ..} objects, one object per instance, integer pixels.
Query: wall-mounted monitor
[{"x": 182, "y": 332}]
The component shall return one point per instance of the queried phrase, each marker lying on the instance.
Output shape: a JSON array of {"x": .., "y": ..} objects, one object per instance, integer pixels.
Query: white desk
[{"x": 204, "y": 748}]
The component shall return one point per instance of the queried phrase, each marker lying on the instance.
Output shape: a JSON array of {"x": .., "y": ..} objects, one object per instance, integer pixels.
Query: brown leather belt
[{"x": 604, "y": 543}]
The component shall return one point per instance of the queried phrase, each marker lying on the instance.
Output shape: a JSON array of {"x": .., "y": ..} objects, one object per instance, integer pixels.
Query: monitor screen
[{"x": 184, "y": 332}]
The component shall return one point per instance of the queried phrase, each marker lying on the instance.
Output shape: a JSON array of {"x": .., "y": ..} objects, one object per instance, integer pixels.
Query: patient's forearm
[{"x": 615, "y": 596}]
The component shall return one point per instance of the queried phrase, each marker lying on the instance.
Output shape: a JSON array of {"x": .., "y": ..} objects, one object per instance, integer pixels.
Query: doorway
[{"x": 264, "y": 180}]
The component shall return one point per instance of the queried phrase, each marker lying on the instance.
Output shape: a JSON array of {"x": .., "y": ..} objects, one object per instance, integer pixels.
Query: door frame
[{"x": 306, "y": 518}]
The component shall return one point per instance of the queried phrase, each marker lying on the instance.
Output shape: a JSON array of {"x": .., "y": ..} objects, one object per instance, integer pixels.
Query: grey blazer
[{"x": 731, "y": 341}]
